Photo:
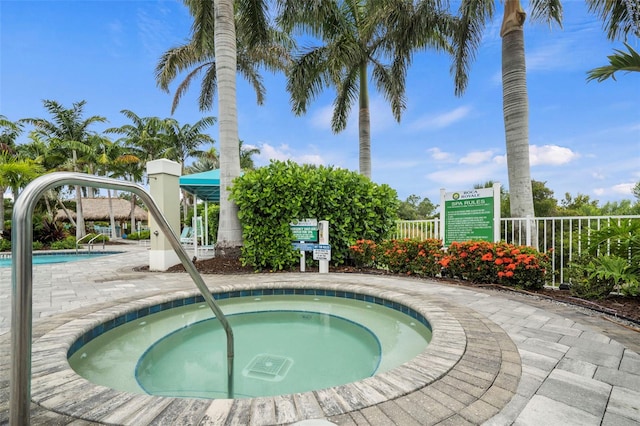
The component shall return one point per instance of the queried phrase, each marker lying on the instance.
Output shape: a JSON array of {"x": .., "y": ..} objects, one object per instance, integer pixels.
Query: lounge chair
[{"x": 187, "y": 235}]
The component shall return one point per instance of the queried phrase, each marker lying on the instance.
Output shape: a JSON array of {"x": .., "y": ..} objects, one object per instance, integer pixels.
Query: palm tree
[
  {"x": 51, "y": 157},
  {"x": 145, "y": 134},
  {"x": 9, "y": 132},
  {"x": 183, "y": 141},
  {"x": 16, "y": 174},
  {"x": 242, "y": 51},
  {"x": 355, "y": 35},
  {"x": 258, "y": 46},
  {"x": 246, "y": 162},
  {"x": 229, "y": 239},
  {"x": 619, "y": 61},
  {"x": 70, "y": 130},
  {"x": 106, "y": 159},
  {"x": 208, "y": 160},
  {"x": 474, "y": 15}
]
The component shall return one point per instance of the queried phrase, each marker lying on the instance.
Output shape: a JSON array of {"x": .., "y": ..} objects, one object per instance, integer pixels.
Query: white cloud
[
  {"x": 550, "y": 155},
  {"x": 439, "y": 155},
  {"x": 439, "y": 121},
  {"x": 623, "y": 188},
  {"x": 598, "y": 175},
  {"x": 476, "y": 157},
  {"x": 460, "y": 178},
  {"x": 284, "y": 152}
]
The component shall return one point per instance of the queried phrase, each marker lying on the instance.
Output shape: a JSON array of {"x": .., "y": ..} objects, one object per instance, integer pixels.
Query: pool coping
[{"x": 476, "y": 377}]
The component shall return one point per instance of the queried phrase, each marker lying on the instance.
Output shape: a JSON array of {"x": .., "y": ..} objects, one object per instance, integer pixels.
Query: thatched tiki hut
[{"x": 97, "y": 210}]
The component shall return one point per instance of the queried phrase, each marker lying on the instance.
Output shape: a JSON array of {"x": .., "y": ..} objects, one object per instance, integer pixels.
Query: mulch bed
[{"x": 620, "y": 306}]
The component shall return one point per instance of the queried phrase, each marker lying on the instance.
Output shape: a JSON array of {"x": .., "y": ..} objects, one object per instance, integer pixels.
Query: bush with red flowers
[
  {"x": 405, "y": 256},
  {"x": 476, "y": 261},
  {"x": 485, "y": 262}
]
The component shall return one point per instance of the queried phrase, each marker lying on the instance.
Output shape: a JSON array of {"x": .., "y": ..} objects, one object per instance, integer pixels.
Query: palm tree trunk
[
  {"x": 516, "y": 111},
  {"x": 229, "y": 232},
  {"x": 364, "y": 125},
  {"x": 112, "y": 219},
  {"x": 133, "y": 214},
  {"x": 64, "y": 208},
  {"x": 2, "y": 213}
]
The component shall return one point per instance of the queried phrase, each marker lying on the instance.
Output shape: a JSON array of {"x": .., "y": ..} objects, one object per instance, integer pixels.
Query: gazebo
[{"x": 205, "y": 186}]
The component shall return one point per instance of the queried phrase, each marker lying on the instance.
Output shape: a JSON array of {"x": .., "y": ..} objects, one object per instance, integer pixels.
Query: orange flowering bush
[
  {"x": 406, "y": 256},
  {"x": 477, "y": 261},
  {"x": 485, "y": 262},
  {"x": 363, "y": 253}
]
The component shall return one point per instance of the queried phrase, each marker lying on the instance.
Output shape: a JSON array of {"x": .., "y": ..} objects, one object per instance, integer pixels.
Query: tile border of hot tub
[{"x": 56, "y": 387}]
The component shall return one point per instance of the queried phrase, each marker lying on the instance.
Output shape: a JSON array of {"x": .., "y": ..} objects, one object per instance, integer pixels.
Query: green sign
[
  {"x": 469, "y": 215},
  {"x": 304, "y": 230}
]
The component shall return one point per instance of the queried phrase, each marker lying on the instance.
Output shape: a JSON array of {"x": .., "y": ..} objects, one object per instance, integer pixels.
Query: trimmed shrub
[{"x": 271, "y": 197}]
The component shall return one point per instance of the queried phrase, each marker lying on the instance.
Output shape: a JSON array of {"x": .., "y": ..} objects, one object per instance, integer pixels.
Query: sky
[{"x": 584, "y": 136}]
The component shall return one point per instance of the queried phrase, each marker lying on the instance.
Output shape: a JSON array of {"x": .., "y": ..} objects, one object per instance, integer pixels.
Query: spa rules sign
[{"x": 471, "y": 215}]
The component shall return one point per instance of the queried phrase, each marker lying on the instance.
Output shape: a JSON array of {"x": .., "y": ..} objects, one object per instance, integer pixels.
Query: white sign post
[{"x": 323, "y": 254}]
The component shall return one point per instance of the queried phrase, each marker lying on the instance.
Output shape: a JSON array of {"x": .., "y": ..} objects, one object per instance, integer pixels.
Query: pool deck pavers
[{"x": 521, "y": 360}]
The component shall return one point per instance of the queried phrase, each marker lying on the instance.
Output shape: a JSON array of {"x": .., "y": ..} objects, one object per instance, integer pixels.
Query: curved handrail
[
  {"x": 22, "y": 279},
  {"x": 90, "y": 243}
]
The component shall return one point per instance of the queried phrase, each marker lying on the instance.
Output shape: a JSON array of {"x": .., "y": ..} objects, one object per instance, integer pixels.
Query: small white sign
[{"x": 321, "y": 254}]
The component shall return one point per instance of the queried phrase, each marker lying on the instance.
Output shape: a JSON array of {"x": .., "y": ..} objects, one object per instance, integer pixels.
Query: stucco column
[{"x": 164, "y": 187}]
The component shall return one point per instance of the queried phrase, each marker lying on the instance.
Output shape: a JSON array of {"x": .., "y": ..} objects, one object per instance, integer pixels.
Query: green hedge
[{"x": 270, "y": 197}]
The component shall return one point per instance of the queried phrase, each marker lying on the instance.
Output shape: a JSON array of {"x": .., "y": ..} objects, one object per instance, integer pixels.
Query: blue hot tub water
[{"x": 284, "y": 344}]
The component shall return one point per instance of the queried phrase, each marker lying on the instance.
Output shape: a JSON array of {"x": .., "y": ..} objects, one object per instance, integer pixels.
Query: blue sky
[{"x": 584, "y": 137}]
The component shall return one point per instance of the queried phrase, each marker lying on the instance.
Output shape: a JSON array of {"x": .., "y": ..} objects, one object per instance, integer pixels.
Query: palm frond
[
  {"x": 619, "y": 61},
  {"x": 473, "y": 16},
  {"x": 546, "y": 11}
]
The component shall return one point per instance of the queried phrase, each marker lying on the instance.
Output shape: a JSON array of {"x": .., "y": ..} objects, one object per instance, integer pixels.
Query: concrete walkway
[{"x": 525, "y": 362}]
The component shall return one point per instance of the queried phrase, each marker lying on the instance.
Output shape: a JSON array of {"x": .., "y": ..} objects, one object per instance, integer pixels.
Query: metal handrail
[
  {"x": 90, "y": 243},
  {"x": 22, "y": 279}
]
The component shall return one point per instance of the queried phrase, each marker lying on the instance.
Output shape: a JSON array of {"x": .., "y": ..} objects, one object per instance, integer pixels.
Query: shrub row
[{"x": 476, "y": 261}]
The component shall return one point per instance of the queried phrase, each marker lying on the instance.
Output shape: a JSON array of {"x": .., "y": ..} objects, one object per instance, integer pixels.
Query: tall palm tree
[
  {"x": 68, "y": 128},
  {"x": 229, "y": 239},
  {"x": 474, "y": 15},
  {"x": 355, "y": 35},
  {"x": 220, "y": 57},
  {"x": 258, "y": 46}
]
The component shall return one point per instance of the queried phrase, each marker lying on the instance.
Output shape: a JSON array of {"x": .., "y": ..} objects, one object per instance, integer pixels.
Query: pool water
[
  {"x": 283, "y": 344},
  {"x": 46, "y": 258}
]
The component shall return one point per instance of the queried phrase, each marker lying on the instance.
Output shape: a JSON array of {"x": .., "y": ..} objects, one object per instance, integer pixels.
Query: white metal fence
[{"x": 565, "y": 236}]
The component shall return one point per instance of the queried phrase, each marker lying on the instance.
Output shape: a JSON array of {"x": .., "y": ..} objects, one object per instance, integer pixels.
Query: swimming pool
[
  {"x": 47, "y": 258},
  {"x": 285, "y": 343}
]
